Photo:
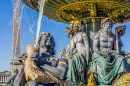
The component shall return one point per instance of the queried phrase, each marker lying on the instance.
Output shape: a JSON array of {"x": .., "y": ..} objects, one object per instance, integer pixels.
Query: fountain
[
  {"x": 93, "y": 50},
  {"x": 39, "y": 20},
  {"x": 89, "y": 12}
]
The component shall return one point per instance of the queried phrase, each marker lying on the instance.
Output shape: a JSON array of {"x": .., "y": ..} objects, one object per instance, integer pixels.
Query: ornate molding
[
  {"x": 68, "y": 10},
  {"x": 123, "y": 80}
]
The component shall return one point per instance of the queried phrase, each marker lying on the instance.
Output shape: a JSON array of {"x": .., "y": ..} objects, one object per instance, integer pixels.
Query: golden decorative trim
[
  {"x": 92, "y": 81},
  {"x": 61, "y": 2},
  {"x": 67, "y": 1},
  {"x": 93, "y": 10},
  {"x": 56, "y": 3},
  {"x": 52, "y": 5},
  {"x": 74, "y": 1},
  {"x": 115, "y": 3},
  {"x": 63, "y": 63},
  {"x": 92, "y": 18},
  {"x": 93, "y": 21},
  {"x": 121, "y": 28},
  {"x": 123, "y": 80},
  {"x": 80, "y": 6},
  {"x": 126, "y": 0},
  {"x": 85, "y": 21},
  {"x": 118, "y": 3}
]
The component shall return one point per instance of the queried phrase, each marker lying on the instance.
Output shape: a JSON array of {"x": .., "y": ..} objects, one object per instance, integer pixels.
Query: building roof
[{"x": 5, "y": 73}]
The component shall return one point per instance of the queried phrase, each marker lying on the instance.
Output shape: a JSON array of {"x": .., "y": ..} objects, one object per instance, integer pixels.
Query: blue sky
[{"x": 29, "y": 19}]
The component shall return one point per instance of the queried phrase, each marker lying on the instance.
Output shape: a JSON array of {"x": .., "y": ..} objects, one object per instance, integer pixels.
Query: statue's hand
[
  {"x": 34, "y": 56},
  {"x": 22, "y": 56},
  {"x": 107, "y": 54},
  {"x": 55, "y": 63}
]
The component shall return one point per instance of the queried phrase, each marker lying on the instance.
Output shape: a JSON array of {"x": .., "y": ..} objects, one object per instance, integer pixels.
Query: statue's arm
[
  {"x": 20, "y": 79},
  {"x": 35, "y": 57},
  {"x": 72, "y": 44},
  {"x": 86, "y": 42},
  {"x": 96, "y": 45},
  {"x": 22, "y": 56},
  {"x": 10, "y": 78},
  {"x": 60, "y": 71}
]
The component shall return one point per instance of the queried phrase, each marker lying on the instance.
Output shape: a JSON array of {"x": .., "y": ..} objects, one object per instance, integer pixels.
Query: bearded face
[
  {"x": 107, "y": 27},
  {"x": 47, "y": 41}
]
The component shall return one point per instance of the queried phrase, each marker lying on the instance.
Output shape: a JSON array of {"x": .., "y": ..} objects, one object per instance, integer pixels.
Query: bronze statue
[
  {"x": 79, "y": 39},
  {"x": 40, "y": 67},
  {"x": 106, "y": 61},
  {"x": 77, "y": 54}
]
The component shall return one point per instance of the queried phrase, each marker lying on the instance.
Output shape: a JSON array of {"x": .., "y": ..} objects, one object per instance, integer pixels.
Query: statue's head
[
  {"x": 70, "y": 33},
  {"x": 46, "y": 40},
  {"x": 76, "y": 25},
  {"x": 106, "y": 25},
  {"x": 62, "y": 53}
]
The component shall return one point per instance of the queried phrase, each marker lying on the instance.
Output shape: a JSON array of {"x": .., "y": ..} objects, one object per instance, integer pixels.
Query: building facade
[{"x": 3, "y": 77}]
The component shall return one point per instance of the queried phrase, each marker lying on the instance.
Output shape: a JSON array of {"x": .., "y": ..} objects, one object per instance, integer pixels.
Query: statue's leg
[{"x": 20, "y": 79}]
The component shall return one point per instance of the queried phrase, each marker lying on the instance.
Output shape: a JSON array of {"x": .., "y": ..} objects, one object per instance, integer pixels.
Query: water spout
[{"x": 42, "y": 2}]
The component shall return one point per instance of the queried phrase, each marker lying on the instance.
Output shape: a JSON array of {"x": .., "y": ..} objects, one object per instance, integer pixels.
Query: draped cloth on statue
[
  {"x": 107, "y": 68},
  {"x": 77, "y": 69}
]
